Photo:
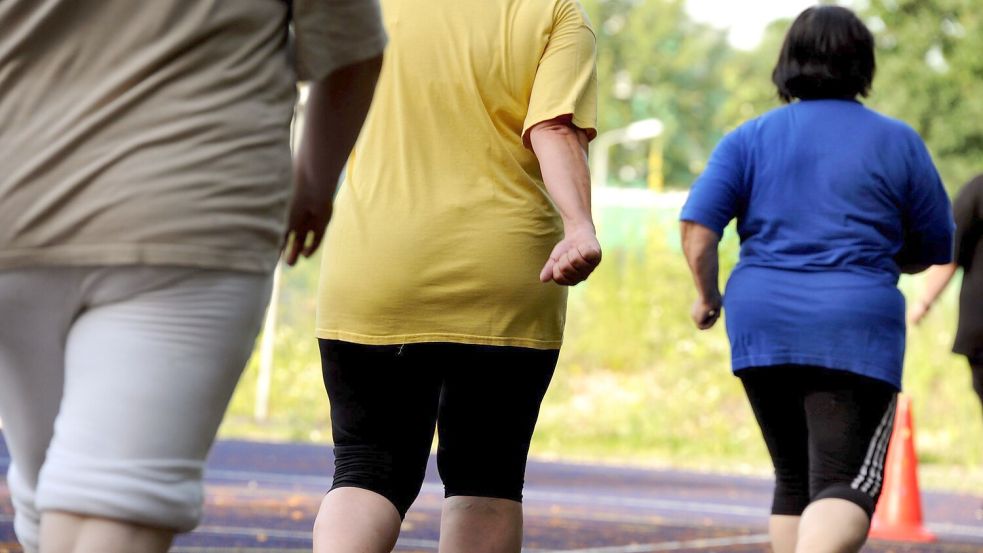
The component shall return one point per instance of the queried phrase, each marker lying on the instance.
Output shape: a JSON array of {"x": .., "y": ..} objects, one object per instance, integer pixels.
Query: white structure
[{"x": 646, "y": 129}]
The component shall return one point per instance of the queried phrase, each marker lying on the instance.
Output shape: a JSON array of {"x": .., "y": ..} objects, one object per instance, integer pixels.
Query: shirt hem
[
  {"x": 970, "y": 352},
  {"x": 355, "y": 53},
  {"x": 863, "y": 369},
  {"x": 702, "y": 217},
  {"x": 398, "y": 339},
  {"x": 137, "y": 254},
  {"x": 581, "y": 123}
]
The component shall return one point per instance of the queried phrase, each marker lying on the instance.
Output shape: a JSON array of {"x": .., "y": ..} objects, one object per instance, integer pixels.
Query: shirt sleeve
[
  {"x": 331, "y": 34},
  {"x": 718, "y": 193},
  {"x": 968, "y": 211},
  {"x": 566, "y": 80},
  {"x": 928, "y": 220}
]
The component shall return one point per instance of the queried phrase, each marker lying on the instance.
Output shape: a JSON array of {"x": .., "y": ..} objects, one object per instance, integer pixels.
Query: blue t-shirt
[{"x": 831, "y": 198}]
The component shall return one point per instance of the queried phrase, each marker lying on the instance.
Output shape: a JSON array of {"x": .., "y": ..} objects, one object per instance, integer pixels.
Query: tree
[
  {"x": 930, "y": 74},
  {"x": 654, "y": 61},
  {"x": 747, "y": 79}
]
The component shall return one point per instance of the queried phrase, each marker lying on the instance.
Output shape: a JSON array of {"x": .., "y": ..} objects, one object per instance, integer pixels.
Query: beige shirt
[{"x": 158, "y": 132}]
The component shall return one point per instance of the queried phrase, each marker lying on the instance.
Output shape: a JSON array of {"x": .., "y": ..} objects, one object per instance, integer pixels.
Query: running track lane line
[
  {"x": 946, "y": 529},
  {"x": 192, "y": 549},
  {"x": 559, "y": 497},
  {"x": 283, "y": 534},
  {"x": 703, "y": 543},
  {"x": 943, "y": 528},
  {"x": 688, "y": 545}
]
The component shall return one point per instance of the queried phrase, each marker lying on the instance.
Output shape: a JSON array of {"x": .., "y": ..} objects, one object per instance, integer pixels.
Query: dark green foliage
[
  {"x": 655, "y": 62},
  {"x": 930, "y": 74}
]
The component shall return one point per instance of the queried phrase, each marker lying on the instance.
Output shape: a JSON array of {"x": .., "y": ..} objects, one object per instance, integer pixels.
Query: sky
[{"x": 746, "y": 19}]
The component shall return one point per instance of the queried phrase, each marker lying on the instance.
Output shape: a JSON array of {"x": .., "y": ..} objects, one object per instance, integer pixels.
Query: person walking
[
  {"x": 833, "y": 201},
  {"x": 465, "y": 212},
  {"x": 968, "y": 210},
  {"x": 144, "y": 186}
]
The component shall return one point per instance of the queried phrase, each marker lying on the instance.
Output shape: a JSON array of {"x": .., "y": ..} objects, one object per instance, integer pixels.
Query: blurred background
[{"x": 636, "y": 382}]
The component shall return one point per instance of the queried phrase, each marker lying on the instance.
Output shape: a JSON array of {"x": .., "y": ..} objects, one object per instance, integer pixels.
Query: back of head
[{"x": 828, "y": 53}]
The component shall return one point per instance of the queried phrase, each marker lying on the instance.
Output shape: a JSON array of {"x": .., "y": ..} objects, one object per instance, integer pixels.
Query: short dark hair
[{"x": 828, "y": 53}]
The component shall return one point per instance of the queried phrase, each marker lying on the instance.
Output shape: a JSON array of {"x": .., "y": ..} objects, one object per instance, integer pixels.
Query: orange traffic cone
[{"x": 898, "y": 516}]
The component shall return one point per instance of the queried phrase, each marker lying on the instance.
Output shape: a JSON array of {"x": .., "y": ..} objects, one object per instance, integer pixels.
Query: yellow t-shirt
[{"x": 442, "y": 227}]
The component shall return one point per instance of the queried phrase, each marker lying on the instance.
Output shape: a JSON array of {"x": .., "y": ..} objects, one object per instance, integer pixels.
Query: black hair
[{"x": 828, "y": 53}]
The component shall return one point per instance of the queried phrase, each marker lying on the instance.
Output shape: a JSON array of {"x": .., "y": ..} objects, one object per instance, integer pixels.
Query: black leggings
[
  {"x": 976, "y": 366},
  {"x": 827, "y": 432},
  {"x": 387, "y": 400}
]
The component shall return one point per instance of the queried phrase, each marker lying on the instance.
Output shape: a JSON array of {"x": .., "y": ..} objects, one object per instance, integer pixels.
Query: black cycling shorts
[
  {"x": 827, "y": 432},
  {"x": 386, "y": 402}
]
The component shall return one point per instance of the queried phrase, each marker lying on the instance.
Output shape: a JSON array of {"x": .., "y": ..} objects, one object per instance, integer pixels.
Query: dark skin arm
[
  {"x": 700, "y": 248},
  {"x": 336, "y": 109}
]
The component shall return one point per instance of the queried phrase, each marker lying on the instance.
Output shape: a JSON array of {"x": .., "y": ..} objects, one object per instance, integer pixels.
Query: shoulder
[
  {"x": 549, "y": 16},
  {"x": 735, "y": 144},
  {"x": 778, "y": 115},
  {"x": 892, "y": 127},
  {"x": 570, "y": 12},
  {"x": 748, "y": 130},
  {"x": 897, "y": 140}
]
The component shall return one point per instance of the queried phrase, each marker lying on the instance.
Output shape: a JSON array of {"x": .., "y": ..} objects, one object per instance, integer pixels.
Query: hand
[
  {"x": 573, "y": 259},
  {"x": 310, "y": 212},
  {"x": 706, "y": 311},
  {"x": 918, "y": 312}
]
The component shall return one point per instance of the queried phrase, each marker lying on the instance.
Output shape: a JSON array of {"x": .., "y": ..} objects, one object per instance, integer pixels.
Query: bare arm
[
  {"x": 700, "y": 248},
  {"x": 336, "y": 109},
  {"x": 562, "y": 152},
  {"x": 936, "y": 280}
]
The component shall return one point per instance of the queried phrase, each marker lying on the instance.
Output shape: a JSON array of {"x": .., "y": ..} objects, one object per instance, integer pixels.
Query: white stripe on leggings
[
  {"x": 874, "y": 486},
  {"x": 881, "y": 437}
]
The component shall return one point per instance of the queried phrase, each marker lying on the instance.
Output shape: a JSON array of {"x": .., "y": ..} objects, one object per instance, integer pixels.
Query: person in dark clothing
[{"x": 968, "y": 210}]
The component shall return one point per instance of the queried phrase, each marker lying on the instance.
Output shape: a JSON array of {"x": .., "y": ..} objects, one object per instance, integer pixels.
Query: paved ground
[{"x": 262, "y": 498}]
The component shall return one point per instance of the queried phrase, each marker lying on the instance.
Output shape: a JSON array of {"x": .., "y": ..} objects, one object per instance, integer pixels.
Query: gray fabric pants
[{"x": 113, "y": 381}]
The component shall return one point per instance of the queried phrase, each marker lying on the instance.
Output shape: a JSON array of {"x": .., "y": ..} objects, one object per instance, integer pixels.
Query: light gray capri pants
[{"x": 113, "y": 382}]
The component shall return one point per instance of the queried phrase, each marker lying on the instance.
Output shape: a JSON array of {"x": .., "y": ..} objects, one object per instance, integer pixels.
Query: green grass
[{"x": 637, "y": 383}]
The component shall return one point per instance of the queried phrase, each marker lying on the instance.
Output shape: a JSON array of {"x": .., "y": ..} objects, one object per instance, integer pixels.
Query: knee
[
  {"x": 161, "y": 493},
  {"x": 381, "y": 471}
]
